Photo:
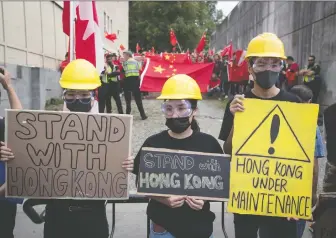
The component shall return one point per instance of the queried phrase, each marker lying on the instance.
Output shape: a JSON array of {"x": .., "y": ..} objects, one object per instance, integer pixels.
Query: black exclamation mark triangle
[{"x": 275, "y": 127}]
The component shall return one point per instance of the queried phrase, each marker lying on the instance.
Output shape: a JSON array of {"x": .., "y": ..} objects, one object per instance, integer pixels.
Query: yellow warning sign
[{"x": 272, "y": 159}]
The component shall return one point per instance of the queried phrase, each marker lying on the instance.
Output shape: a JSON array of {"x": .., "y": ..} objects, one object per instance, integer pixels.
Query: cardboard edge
[
  {"x": 185, "y": 152},
  {"x": 197, "y": 197}
]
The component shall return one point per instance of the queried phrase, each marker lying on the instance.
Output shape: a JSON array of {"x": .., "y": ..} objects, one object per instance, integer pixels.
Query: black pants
[
  {"x": 7, "y": 219},
  {"x": 63, "y": 221},
  {"x": 315, "y": 86},
  {"x": 247, "y": 226},
  {"x": 226, "y": 88},
  {"x": 131, "y": 86},
  {"x": 105, "y": 93}
]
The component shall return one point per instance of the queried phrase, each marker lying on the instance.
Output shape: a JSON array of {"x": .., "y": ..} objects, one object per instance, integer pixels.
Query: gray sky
[{"x": 226, "y": 6}]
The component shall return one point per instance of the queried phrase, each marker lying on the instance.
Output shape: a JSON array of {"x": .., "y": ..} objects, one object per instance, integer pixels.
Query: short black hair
[
  {"x": 66, "y": 54},
  {"x": 302, "y": 92},
  {"x": 290, "y": 58},
  {"x": 312, "y": 56}
]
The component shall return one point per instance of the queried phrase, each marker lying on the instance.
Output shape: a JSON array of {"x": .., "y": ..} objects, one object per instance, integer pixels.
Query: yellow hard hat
[
  {"x": 266, "y": 45},
  {"x": 180, "y": 86},
  {"x": 80, "y": 74}
]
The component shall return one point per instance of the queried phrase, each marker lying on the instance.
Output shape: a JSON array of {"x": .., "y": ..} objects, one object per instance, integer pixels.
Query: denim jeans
[
  {"x": 164, "y": 234},
  {"x": 300, "y": 226}
]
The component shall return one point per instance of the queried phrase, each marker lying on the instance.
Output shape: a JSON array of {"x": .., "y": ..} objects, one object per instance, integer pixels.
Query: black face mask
[
  {"x": 178, "y": 125},
  {"x": 78, "y": 106},
  {"x": 266, "y": 79}
]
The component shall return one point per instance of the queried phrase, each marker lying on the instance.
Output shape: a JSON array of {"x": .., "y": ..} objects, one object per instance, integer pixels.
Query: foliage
[{"x": 150, "y": 23}]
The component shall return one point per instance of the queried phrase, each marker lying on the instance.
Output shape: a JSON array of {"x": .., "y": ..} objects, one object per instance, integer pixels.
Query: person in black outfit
[
  {"x": 265, "y": 71},
  {"x": 71, "y": 218},
  {"x": 181, "y": 216},
  {"x": 7, "y": 206},
  {"x": 110, "y": 86},
  {"x": 312, "y": 78}
]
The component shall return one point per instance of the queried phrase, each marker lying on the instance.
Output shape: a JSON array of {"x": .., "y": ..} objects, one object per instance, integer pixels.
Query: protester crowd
[{"x": 271, "y": 76}]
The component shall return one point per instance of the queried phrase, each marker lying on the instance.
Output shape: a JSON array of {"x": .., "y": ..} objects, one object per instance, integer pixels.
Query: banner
[
  {"x": 157, "y": 72},
  {"x": 273, "y": 159},
  {"x": 164, "y": 172},
  {"x": 67, "y": 155}
]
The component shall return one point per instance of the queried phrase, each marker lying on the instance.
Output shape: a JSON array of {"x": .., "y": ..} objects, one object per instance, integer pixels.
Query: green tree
[{"x": 150, "y": 23}]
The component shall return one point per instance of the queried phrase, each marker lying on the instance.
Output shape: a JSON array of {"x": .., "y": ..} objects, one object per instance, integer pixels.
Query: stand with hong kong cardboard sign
[
  {"x": 273, "y": 159},
  {"x": 62, "y": 155}
]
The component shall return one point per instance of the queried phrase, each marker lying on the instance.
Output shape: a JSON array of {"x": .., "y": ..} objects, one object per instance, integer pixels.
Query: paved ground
[{"x": 131, "y": 219}]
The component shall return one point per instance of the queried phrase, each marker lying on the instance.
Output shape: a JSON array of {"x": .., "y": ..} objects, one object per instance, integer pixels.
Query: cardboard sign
[
  {"x": 164, "y": 172},
  {"x": 273, "y": 158},
  {"x": 67, "y": 155}
]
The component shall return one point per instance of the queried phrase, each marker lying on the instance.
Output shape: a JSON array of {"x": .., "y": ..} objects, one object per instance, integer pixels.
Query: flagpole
[
  {"x": 178, "y": 44},
  {"x": 72, "y": 32}
]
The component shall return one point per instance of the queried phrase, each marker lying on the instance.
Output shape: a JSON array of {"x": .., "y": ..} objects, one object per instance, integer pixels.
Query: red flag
[
  {"x": 137, "y": 47},
  {"x": 228, "y": 50},
  {"x": 173, "y": 39},
  {"x": 176, "y": 58},
  {"x": 112, "y": 37},
  {"x": 201, "y": 44},
  {"x": 66, "y": 17},
  {"x": 157, "y": 72},
  {"x": 89, "y": 44},
  {"x": 122, "y": 47},
  {"x": 238, "y": 68}
]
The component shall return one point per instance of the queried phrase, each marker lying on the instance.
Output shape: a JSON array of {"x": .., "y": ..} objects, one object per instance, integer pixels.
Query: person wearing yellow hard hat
[
  {"x": 180, "y": 216},
  {"x": 70, "y": 218},
  {"x": 264, "y": 54}
]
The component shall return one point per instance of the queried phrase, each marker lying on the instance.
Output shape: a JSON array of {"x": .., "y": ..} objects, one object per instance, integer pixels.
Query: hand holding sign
[
  {"x": 237, "y": 104},
  {"x": 6, "y": 153},
  {"x": 173, "y": 201},
  {"x": 128, "y": 164},
  {"x": 196, "y": 204}
]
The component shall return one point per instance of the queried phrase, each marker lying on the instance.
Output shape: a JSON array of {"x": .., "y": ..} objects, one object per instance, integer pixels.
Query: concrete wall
[
  {"x": 304, "y": 27},
  {"x": 34, "y": 86}
]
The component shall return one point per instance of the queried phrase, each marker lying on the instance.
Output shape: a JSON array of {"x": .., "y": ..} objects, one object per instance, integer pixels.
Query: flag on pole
[
  {"x": 201, "y": 44},
  {"x": 173, "y": 39},
  {"x": 112, "y": 37},
  {"x": 88, "y": 39}
]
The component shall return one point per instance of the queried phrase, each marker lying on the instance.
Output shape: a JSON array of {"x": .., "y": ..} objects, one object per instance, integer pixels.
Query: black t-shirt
[
  {"x": 228, "y": 117},
  {"x": 182, "y": 221}
]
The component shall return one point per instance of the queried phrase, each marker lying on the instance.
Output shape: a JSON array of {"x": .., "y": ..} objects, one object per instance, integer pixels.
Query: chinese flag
[
  {"x": 201, "y": 44},
  {"x": 238, "y": 69},
  {"x": 173, "y": 39},
  {"x": 112, "y": 37},
  {"x": 228, "y": 50},
  {"x": 122, "y": 47},
  {"x": 176, "y": 58},
  {"x": 137, "y": 48},
  {"x": 158, "y": 71}
]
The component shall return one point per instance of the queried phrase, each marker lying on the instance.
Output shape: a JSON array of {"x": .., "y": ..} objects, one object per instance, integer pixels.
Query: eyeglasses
[
  {"x": 84, "y": 97},
  {"x": 181, "y": 109},
  {"x": 263, "y": 64}
]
